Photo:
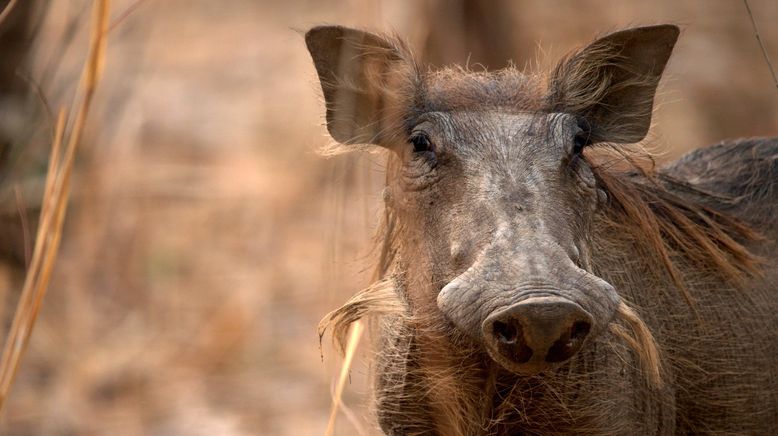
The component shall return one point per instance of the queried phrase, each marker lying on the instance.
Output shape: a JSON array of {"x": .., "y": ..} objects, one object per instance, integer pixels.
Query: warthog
[{"x": 537, "y": 274}]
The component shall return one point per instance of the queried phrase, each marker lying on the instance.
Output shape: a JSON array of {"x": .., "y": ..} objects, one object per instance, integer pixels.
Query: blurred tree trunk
[
  {"x": 475, "y": 32},
  {"x": 17, "y": 33},
  {"x": 16, "y": 36}
]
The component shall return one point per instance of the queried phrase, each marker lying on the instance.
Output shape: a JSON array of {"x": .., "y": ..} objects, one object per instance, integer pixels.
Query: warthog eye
[
  {"x": 582, "y": 137},
  {"x": 421, "y": 143},
  {"x": 580, "y": 141}
]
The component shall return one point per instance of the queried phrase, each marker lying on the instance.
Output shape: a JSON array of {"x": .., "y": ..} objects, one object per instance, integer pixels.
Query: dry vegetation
[{"x": 206, "y": 238}]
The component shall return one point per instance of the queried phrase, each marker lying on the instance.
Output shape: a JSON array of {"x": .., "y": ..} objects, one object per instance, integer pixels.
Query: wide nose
[{"x": 533, "y": 334}]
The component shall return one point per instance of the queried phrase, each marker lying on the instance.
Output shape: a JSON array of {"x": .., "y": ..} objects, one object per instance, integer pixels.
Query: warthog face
[
  {"x": 512, "y": 200},
  {"x": 489, "y": 179}
]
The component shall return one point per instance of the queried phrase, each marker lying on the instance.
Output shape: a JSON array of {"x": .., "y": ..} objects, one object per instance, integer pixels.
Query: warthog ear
[
  {"x": 367, "y": 82},
  {"x": 612, "y": 82}
]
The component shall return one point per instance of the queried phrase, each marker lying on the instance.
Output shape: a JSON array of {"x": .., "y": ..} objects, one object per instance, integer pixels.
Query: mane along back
[
  {"x": 673, "y": 219},
  {"x": 742, "y": 175}
]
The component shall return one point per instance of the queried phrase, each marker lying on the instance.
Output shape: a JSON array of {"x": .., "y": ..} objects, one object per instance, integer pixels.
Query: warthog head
[{"x": 490, "y": 182}]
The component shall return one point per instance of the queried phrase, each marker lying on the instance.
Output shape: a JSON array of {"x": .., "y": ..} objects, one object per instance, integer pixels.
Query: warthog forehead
[
  {"x": 506, "y": 133},
  {"x": 502, "y": 155}
]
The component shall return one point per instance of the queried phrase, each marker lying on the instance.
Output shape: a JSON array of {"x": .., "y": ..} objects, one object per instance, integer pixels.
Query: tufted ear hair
[
  {"x": 368, "y": 82},
  {"x": 611, "y": 83}
]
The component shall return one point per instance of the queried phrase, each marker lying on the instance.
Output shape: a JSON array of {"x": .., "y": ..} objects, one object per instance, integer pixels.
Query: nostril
[
  {"x": 508, "y": 339},
  {"x": 569, "y": 343},
  {"x": 579, "y": 330},
  {"x": 505, "y": 333}
]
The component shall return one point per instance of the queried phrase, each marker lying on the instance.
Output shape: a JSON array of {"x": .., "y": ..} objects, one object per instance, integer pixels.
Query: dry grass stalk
[
  {"x": 353, "y": 343},
  {"x": 23, "y": 218},
  {"x": 54, "y": 206},
  {"x": 126, "y": 13},
  {"x": 7, "y": 10},
  {"x": 761, "y": 43}
]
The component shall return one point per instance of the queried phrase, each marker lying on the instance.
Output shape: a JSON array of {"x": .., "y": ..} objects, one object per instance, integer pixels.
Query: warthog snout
[
  {"x": 528, "y": 304},
  {"x": 529, "y": 336}
]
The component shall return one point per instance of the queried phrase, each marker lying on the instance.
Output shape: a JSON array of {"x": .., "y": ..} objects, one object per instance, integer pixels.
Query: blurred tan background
[{"x": 206, "y": 237}]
